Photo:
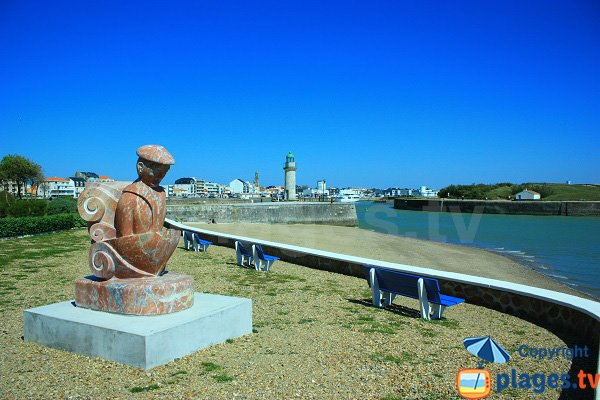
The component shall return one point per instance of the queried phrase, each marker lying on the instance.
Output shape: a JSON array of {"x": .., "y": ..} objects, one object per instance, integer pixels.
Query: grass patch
[
  {"x": 141, "y": 389},
  {"x": 448, "y": 323},
  {"x": 369, "y": 324},
  {"x": 222, "y": 378},
  {"x": 434, "y": 396},
  {"x": 404, "y": 358},
  {"x": 428, "y": 333},
  {"x": 209, "y": 366},
  {"x": 365, "y": 319}
]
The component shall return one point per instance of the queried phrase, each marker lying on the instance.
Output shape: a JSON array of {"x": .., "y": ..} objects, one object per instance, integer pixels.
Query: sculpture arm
[{"x": 124, "y": 215}]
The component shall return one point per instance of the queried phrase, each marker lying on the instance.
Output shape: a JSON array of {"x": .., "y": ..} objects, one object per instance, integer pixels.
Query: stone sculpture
[{"x": 131, "y": 245}]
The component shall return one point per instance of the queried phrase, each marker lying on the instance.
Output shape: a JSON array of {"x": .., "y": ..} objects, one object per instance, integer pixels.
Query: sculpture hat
[{"x": 155, "y": 153}]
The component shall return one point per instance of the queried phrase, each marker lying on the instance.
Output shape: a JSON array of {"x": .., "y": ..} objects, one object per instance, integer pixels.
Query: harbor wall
[
  {"x": 343, "y": 214},
  {"x": 565, "y": 208}
]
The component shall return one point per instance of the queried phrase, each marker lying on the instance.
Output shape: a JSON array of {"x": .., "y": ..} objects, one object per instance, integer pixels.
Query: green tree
[
  {"x": 18, "y": 169},
  {"x": 6, "y": 199}
]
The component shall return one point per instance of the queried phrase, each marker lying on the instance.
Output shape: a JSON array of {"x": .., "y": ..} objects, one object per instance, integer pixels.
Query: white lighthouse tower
[{"x": 290, "y": 177}]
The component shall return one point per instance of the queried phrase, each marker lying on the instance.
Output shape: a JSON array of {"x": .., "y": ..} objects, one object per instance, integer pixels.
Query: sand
[{"x": 422, "y": 253}]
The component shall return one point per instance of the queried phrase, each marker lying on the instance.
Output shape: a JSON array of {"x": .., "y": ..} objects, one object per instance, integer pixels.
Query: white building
[
  {"x": 57, "y": 187},
  {"x": 214, "y": 189},
  {"x": 104, "y": 178},
  {"x": 12, "y": 188},
  {"x": 88, "y": 176},
  {"x": 200, "y": 187},
  {"x": 322, "y": 188},
  {"x": 424, "y": 191},
  {"x": 528, "y": 194},
  {"x": 396, "y": 192},
  {"x": 79, "y": 184},
  {"x": 186, "y": 187},
  {"x": 310, "y": 192},
  {"x": 174, "y": 191},
  {"x": 239, "y": 186}
]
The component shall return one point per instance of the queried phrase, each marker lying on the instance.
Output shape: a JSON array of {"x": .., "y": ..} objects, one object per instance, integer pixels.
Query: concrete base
[{"x": 141, "y": 341}]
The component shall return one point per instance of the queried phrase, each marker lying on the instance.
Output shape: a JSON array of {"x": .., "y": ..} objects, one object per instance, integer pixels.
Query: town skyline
[
  {"x": 170, "y": 180},
  {"x": 363, "y": 94}
]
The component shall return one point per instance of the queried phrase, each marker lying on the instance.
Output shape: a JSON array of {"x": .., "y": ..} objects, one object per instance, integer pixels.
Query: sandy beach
[{"x": 422, "y": 253}]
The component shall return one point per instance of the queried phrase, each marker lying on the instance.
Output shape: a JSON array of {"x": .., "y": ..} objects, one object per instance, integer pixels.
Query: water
[{"x": 564, "y": 248}]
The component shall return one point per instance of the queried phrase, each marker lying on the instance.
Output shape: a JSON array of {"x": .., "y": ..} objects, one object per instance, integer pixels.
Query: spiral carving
[
  {"x": 92, "y": 208},
  {"x": 100, "y": 232},
  {"x": 102, "y": 265}
]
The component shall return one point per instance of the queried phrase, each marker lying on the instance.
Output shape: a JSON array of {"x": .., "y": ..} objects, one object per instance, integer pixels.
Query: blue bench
[
  {"x": 260, "y": 258},
  {"x": 200, "y": 243},
  {"x": 386, "y": 284},
  {"x": 193, "y": 239},
  {"x": 243, "y": 256}
]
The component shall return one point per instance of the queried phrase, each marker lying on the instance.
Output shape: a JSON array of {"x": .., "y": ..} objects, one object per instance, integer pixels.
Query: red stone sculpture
[{"x": 131, "y": 245}]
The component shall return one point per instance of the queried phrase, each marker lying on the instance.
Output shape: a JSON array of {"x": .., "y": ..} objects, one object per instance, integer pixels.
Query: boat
[{"x": 347, "y": 198}]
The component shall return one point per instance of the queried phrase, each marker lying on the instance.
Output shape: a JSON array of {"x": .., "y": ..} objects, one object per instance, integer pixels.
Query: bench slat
[{"x": 449, "y": 300}]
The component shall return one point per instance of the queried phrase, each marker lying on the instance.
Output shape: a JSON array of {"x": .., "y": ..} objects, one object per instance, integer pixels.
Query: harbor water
[{"x": 564, "y": 248}]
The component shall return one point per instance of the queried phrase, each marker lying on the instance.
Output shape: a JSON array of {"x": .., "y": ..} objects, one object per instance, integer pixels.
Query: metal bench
[
  {"x": 261, "y": 259},
  {"x": 200, "y": 243},
  {"x": 193, "y": 239},
  {"x": 243, "y": 256},
  {"x": 386, "y": 284}
]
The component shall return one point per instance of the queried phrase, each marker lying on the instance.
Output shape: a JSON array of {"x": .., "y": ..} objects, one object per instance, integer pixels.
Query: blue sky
[{"x": 373, "y": 94}]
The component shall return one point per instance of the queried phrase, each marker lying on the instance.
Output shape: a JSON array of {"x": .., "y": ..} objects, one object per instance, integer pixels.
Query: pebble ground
[{"x": 315, "y": 337}]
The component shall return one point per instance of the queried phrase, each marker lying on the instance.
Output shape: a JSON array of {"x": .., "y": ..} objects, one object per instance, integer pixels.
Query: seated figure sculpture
[{"x": 131, "y": 245}]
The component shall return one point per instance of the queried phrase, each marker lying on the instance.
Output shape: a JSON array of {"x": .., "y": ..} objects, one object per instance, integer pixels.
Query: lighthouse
[{"x": 290, "y": 177}]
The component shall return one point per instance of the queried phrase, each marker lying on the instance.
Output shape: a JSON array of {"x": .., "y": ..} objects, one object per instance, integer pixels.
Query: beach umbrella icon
[{"x": 487, "y": 349}]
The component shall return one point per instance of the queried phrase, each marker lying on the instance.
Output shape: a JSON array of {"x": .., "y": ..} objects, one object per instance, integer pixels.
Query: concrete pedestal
[{"x": 141, "y": 341}]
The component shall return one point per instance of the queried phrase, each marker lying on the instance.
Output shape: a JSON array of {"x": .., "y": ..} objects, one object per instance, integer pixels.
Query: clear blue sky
[{"x": 365, "y": 93}]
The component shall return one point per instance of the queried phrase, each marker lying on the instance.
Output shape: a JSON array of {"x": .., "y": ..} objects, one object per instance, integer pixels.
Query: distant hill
[{"x": 504, "y": 191}]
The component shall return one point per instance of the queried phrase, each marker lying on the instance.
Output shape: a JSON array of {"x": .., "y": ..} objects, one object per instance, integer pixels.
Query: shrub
[
  {"x": 27, "y": 208},
  {"x": 62, "y": 205},
  {"x": 32, "y": 225}
]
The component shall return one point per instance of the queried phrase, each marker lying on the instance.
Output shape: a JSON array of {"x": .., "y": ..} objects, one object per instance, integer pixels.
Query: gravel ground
[{"x": 315, "y": 336}]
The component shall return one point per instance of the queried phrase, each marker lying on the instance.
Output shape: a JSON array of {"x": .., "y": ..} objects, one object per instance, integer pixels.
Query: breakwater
[
  {"x": 269, "y": 213},
  {"x": 564, "y": 208}
]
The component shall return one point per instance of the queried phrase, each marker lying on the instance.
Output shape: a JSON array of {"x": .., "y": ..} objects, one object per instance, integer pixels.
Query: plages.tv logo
[{"x": 476, "y": 383}]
